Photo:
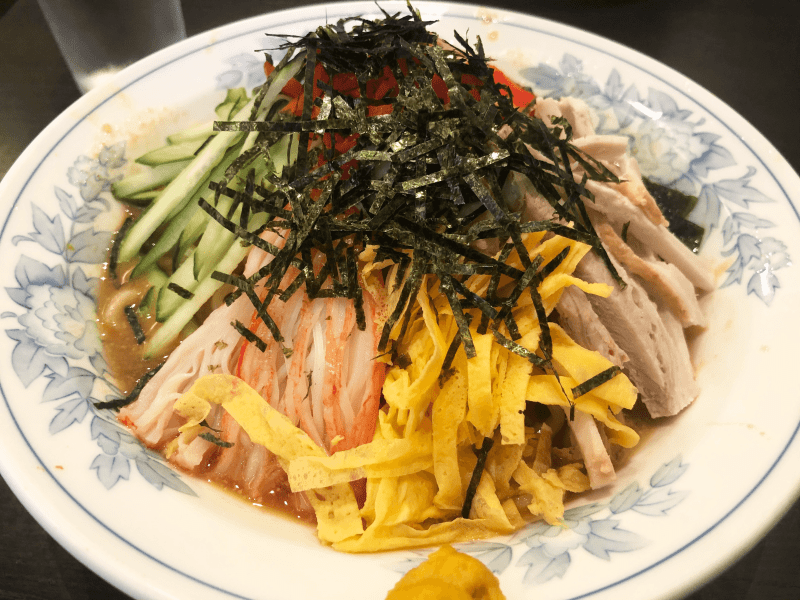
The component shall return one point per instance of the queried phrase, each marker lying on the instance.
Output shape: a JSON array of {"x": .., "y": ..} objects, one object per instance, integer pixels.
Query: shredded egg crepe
[{"x": 442, "y": 412}]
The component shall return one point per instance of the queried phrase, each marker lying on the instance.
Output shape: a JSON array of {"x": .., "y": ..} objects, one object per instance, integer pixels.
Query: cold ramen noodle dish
[{"x": 394, "y": 293}]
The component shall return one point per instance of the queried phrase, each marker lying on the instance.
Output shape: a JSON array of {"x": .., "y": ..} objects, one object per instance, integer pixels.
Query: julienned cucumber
[
  {"x": 192, "y": 177},
  {"x": 145, "y": 181},
  {"x": 184, "y": 277},
  {"x": 186, "y": 225},
  {"x": 157, "y": 279},
  {"x": 184, "y": 314},
  {"x": 198, "y": 132},
  {"x": 174, "y": 223},
  {"x": 171, "y": 153},
  {"x": 179, "y": 189}
]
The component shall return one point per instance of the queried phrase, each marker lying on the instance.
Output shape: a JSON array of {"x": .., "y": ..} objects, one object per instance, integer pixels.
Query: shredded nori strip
[
  {"x": 181, "y": 291},
  {"x": 133, "y": 321},
  {"x": 113, "y": 256},
  {"x": 514, "y": 347},
  {"x": 421, "y": 179},
  {"x": 482, "y": 453},
  {"x": 118, "y": 403},
  {"x": 210, "y": 437},
  {"x": 250, "y": 336},
  {"x": 596, "y": 381},
  {"x": 447, "y": 364}
]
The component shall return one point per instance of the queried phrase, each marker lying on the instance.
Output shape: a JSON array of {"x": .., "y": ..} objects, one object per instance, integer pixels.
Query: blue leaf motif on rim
[
  {"x": 669, "y": 473},
  {"x": 542, "y": 566},
  {"x": 69, "y": 412},
  {"x": 606, "y": 536},
  {"x": 245, "y": 71},
  {"x": 494, "y": 555},
  {"x": 110, "y": 469},
  {"x": 75, "y": 381},
  {"x": 48, "y": 233},
  {"x": 58, "y": 339}
]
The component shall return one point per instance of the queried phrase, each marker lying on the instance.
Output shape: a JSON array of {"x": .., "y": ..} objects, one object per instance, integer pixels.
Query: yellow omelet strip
[
  {"x": 379, "y": 458},
  {"x": 448, "y": 412},
  {"x": 420, "y": 461},
  {"x": 481, "y": 408},
  {"x": 410, "y": 396}
]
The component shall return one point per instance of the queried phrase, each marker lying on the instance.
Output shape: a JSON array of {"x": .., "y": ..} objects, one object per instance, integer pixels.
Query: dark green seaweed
[
  {"x": 133, "y": 321},
  {"x": 596, "y": 381},
  {"x": 676, "y": 207},
  {"x": 113, "y": 257},
  {"x": 210, "y": 437},
  {"x": 118, "y": 403},
  {"x": 420, "y": 183},
  {"x": 482, "y": 453}
]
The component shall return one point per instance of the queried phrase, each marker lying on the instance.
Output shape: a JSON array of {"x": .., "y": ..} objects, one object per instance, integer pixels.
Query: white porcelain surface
[{"x": 702, "y": 488}]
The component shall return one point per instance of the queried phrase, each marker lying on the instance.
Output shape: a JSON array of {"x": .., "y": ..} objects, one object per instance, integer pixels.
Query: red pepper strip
[
  {"x": 379, "y": 88},
  {"x": 347, "y": 84},
  {"x": 519, "y": 96},
  {"x": 293, "y": 88}
]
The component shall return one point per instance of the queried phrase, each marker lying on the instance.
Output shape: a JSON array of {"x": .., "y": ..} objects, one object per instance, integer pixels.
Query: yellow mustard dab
[{"x": 448, "y": 575}]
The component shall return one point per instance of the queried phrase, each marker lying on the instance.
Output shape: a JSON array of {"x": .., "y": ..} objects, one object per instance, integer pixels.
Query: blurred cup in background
[{"x": 99, "y": 37}]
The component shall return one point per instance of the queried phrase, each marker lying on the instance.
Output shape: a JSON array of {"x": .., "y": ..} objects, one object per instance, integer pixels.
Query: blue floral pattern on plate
[{"x": 57, "y": 338}]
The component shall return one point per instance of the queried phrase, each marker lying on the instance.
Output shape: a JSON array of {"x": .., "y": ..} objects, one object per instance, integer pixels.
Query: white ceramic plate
[{"x": 704, "y": 487}]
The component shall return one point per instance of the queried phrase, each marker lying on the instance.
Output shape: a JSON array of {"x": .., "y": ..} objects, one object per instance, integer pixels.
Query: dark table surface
[{"x": 747, "y": 52}]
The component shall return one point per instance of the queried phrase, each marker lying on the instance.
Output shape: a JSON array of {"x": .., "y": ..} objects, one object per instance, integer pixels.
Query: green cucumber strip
[
  {"x": 157, "y": 279},
  {"x": 200, "y": 263},
  {"x": 172, "y": 327},
  {"x": 167, "y": 240},
  {"x": 198, "y": 132},
  {"x": 184, "y": 185},
  {"x": 147, "y": 301},
  {"x": 171, "y": 153},
  {"x": 215, "y": 235},
  {"x": 190, "y": 179},
  {"x": 168, "y": 301},
  {"x": 142, "y": 198},
  {"x": 216, "y": 173},
  {"x": 147, "y": 180},
  {"x": 193, "y": 230},
  {"x": 234, "y": 99},
  {"x": 276, "y": 85},
  {"x": 191, "y": 199}
]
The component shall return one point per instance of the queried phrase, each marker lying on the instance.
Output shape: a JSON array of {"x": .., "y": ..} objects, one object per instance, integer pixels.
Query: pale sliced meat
[
  {"x": 519, "y": 192},
  {"x": 619, "y": 210},
  {"x": 580, "y": 321},
  {"x": 681, "y": 377},
  {"x": 213, "y": 349},
  {"x": 596, "y": 459},
  {"x": 610, "y": 150},
  {"x": 663, "y": 281},
  {"x": 574, "y": 110},
  {"x": 630, "y": 316},
  {"x": 664, "y": 379}
]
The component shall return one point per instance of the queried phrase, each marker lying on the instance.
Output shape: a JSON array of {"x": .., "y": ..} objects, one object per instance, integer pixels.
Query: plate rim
[{"x": 246, "y": 26}]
